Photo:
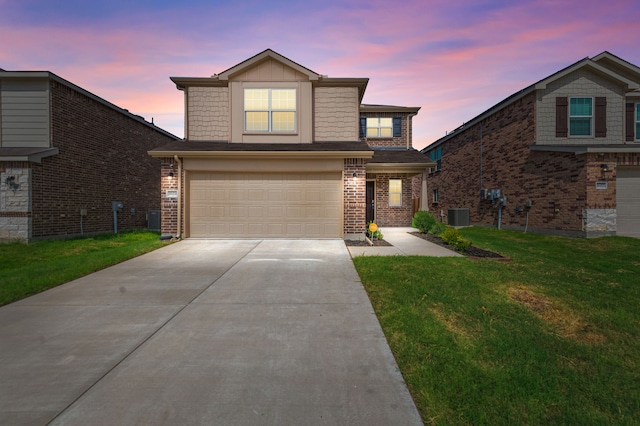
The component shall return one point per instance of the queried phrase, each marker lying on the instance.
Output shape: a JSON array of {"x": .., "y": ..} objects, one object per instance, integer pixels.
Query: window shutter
[
  {"x": 397, "y": 127},
  {"x": 363, "y": 127},
  {"x": 562, "y": 116},
  {"x": 601, "y": 117},
  {"x": 629, "y": 122}
]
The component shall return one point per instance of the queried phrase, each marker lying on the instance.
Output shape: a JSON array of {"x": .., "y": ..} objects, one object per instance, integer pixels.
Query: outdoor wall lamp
[
  {"x": 355, "y": 174},
  {"x": 604, "y": 167},
  {"x": 170, "y": 174}
]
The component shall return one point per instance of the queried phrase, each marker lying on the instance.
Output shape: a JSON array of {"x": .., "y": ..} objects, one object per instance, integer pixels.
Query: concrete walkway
[
  {"x": 274, "y": 332},
  {"x": 403, "y": 244}
]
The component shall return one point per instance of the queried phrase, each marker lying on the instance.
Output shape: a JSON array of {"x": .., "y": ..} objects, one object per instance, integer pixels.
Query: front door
[{"x": 371, "y": 200}]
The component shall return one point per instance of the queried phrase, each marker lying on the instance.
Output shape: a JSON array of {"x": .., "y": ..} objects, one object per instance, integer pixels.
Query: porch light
[{"x": 355, "y": 174}]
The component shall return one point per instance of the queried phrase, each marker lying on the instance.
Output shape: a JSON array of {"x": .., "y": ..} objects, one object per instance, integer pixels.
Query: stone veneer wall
[{"x": 15, "y": 201}]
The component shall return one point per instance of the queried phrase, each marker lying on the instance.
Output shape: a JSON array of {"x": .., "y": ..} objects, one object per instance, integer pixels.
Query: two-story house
[
  {"x": 273, "y": 149},
  {"x": 560, "y": 156},
  {"x": 66, "y": 155}
]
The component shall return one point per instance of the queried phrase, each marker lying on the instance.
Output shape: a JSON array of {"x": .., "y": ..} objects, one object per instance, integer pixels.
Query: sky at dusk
[{"x": 452, "y": 58}]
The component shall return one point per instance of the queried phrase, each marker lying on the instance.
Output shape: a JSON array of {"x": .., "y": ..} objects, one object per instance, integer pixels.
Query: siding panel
[{"x": 24, "y": 114}]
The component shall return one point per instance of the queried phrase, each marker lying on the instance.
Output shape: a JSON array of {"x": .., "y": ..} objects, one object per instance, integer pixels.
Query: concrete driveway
[{"x": 204, "y": 332}]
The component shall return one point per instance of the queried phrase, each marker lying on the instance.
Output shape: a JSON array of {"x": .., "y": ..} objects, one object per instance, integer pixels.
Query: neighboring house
[
  {"x": 564, "y": 154},
  {"x": 274, "y": 149},
  {"x": 66, "y": 155}
]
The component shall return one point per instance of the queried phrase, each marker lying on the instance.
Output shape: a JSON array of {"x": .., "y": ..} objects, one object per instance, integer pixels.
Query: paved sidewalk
[
  {"x": 403, "y": 244},
  {"x": 202, "y": 332}
]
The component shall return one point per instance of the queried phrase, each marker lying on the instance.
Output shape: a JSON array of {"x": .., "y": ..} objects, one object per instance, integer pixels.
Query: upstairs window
[
  {"x": 580, "y": 116},
  {"x": 270, "y": 110},
  {"x": 395, "y": 192},
  {"x": 380, "y": 127},
  {"x": 436, "y": 155}
]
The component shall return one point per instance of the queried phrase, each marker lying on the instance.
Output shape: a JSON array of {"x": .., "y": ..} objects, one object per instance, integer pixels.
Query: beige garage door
[
  {"x": 257, "y": 205},
  {"x": 628, "y": 201}
]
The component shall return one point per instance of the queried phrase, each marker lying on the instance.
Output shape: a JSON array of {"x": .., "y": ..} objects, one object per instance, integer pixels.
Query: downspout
[
  {"x": 409, "y": 134},
  {"x": 481, "y": 187},
  {"x": 179, "y": 230}
]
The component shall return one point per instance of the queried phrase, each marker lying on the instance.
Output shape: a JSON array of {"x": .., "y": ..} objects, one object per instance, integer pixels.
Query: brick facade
[
  {"x": 170, "y": 180},
  {"x": 102, "y": 158},
  {"x": 403, "y": 141},
  {"x": 385, "y": 214},
  {"x": 354, "y": 197}
]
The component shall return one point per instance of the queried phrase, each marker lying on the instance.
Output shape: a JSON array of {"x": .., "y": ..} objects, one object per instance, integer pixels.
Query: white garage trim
[{"x": 628, "y": 201}]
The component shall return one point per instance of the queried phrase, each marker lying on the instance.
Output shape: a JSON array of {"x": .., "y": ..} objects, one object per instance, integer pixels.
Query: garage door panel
[{"x": 265, "y": 204}]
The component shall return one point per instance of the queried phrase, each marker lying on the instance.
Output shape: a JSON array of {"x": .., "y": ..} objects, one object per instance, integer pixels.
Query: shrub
[
  {"x": 423, "y": 221},
  {"x": 437, "y": 228},
  {"x": 452, "y": 236}
]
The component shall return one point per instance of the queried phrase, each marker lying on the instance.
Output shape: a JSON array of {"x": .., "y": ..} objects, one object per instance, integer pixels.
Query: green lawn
[
  {"x": 27, "y": 269},
  {"x": 551, "y": 337}
]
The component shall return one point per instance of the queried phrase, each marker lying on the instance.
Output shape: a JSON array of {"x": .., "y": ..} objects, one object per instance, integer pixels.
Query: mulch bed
[
  {"x": 376, "y": 243},
  {"x": 472, "y": 251}
]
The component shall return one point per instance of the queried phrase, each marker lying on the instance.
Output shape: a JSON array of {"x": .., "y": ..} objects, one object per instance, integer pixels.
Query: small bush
[
  {"x": 452, "y": 236},
  {"x": 423, "y": 221},
  {"x": 437, "y": 228}
]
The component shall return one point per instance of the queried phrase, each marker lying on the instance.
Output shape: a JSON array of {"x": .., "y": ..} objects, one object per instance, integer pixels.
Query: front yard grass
[
  {"x": 26, "y": 269},
  {"x": 551, "y": 337}
]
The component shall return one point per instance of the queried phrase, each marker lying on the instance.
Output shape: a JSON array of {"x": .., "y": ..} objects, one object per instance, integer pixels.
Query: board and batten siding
[{"x": 24, "y": 112}]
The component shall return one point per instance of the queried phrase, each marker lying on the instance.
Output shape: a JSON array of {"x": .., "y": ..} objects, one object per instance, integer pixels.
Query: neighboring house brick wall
[
  {"x": 208, "y": 118},
  {"x": 354, "y": 197},
  {"x": 580, "y": 83},
  {"x": 393, "y": 216},
  {"x": 553, "y": 182},
  {"x": 336, "y": 114},
  {"x": 102, "y": 158}
]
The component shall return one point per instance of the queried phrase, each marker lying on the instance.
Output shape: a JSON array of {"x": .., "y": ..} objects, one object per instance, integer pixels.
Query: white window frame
[
  {"x": 397, "y": 193},
  {"x": 270, "y": 110},
  {"x": 590, "y": 117},
  {"x": 376, "y": 123},
  {"x": 436, "y": 196}
]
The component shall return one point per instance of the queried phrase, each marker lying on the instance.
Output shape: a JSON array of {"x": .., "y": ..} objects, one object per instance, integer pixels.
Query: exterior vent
[{"x": 458, "y": 217}]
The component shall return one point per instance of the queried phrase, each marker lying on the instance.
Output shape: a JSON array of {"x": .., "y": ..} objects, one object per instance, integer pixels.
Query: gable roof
[
  {"x": 597, "y": 64},
  {"x": 263, "y": 56},
  {"x": 319, "y": 80}
]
